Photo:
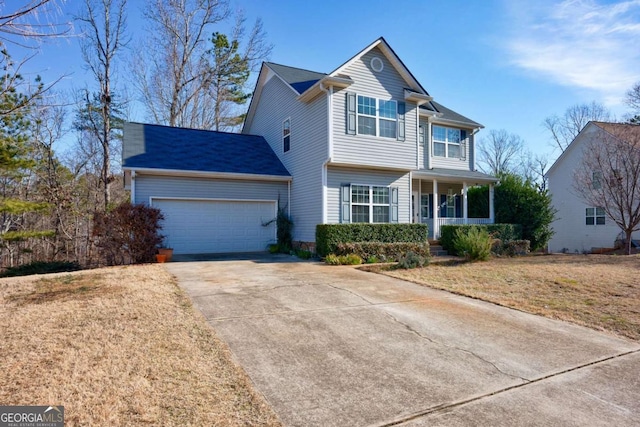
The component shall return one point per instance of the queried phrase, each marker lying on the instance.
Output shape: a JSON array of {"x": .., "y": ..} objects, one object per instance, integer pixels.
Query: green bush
[
  {"x": 519, "y": 201},
  {"x": 412, "y": 260},
  {"x": 372, "y": 260},
  {"x": 328, "y": 236},
  {"x": 474, "y": 243},
  {"x": 504, "y": 232},
  {"x": 350, "y": 259},
  {"x": 387, "y": 252},
  {"x": 303, "y": 254},
  {"x": 41, "y": 267}
]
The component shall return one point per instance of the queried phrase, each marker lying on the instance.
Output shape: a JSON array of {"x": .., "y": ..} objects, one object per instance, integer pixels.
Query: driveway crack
[{"x": 464, "y": 350}]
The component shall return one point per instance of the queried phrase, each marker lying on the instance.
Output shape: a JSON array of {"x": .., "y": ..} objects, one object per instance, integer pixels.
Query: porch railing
[{"x": 453, "y": 221}]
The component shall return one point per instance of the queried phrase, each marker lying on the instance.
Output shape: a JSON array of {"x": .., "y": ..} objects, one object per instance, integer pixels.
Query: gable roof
[
  {"x": 308, "y": 84},
  {"x": 622, "y": 131},
  {"x": 159, "y": 147},
  {"x": 300, "y": 80},
  {"x": 392, "y": 57},
  {"x": 447, "y": 115},
  {"x": 619, "y": 130}
]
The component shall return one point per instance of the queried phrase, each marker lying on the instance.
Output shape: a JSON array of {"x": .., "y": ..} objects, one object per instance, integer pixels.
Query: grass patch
[
  {"x": 119, "y": 346},
  {"x": 598, "y": 291}
]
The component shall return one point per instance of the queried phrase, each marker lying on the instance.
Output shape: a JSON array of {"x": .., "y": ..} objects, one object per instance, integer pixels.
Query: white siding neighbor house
[
  {"x": 580, "y": 227},
  {"x": 363, "y": 143}
]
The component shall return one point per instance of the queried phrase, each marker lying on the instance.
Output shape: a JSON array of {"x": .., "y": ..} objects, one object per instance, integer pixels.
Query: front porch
[{"x": 442, "y": 200}]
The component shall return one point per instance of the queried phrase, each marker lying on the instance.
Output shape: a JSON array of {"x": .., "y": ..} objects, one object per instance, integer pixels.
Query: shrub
[
  {"x": 515, "y": 248},
  {"x": 303, "y": 254},
  {"x": 384, "y": 251},
  {"x": 412, "y": 260},
  {"x": 128, "y": 234},
  {"x": 519, "y": 201},
  {"x": 372, "y": 260},
  {"x": 328, "y": 236},
  {"x": 284, "y": 230},
  {"x": 41, "y": 267},
  {"x": 274, "y": 248},
  {"x": 504, "y": 232},
  {"x": 350, "y": 259},
  {"x": 474, "y": 244}
]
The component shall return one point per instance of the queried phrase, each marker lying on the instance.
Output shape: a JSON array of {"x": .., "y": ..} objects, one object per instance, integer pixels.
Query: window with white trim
[
  {"x": 595, "y": 216},
  {"x": 421, "y": 134},
  {"x": 370, "y": 203},
  {"x": 377, "y": 117},
  {"x": 447, "y": 142},
  {"x": 596, "y": 180},
  {"x": 286, "y": 135}
]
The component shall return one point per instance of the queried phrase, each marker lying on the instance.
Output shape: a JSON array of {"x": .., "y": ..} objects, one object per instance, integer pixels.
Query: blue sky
[{"x": 507, "y": 64}]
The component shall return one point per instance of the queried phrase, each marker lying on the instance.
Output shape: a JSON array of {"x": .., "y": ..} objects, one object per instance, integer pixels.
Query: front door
[{"x": 415, "y": 207}]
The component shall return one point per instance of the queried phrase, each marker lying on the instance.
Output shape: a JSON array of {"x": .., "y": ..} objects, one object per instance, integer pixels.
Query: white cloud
[{"x": 579, "y": 43}]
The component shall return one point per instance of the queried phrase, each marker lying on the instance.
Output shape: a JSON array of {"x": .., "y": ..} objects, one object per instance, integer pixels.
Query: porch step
[{"x": 437, "y": 250}]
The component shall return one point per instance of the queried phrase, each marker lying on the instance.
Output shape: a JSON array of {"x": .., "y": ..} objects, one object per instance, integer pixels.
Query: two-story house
[{"x": 364, "y": 143}]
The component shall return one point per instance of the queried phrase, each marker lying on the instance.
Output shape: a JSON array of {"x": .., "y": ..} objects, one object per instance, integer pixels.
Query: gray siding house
[
  {"x": 364, "y": 143},
  {"x": 579, "y": 227}
]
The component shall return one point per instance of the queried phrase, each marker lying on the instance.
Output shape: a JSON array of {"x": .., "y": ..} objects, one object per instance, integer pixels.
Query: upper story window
[
  {"x": 422, "y": 134},
  {"x": 286, "y": 135},
  {"x": 595, "y": 216},
  {"x": 377, "y": 117},
  {"x": 447, "y": 142}
]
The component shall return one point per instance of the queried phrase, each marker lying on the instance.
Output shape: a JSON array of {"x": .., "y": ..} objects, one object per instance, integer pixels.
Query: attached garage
[
  {"x": 217, "y": 226},
  {"x": 216, "y": 190}
]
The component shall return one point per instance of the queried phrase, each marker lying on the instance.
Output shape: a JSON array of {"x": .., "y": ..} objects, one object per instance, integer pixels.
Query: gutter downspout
[
  {"x": 133, "y": 187},
  {"x": 472, "y": 148},
  {"x": 329, "y": 92}
]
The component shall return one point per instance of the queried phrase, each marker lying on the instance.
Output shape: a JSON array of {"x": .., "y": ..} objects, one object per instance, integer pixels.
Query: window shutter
[
  {"x": 401, "y": 111},
  {"x": 431, "y": 205},
  {"x": 394, "y": 204},
  {"x": 351, "y": 113},
  {"x": 345, "y": 203},
  {"x": 458, "y": 205},
  {"x": 463, "y": 144}
]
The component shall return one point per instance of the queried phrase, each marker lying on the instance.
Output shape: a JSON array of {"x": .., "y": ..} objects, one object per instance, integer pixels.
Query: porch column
[
  {"x": 436, "y": 226},
  {"x": 465, "y": 203},
  {"x": 491, "y": 212}
]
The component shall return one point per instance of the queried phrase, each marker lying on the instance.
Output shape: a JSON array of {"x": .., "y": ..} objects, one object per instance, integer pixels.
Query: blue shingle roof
[{"x": 164, "y": 147}]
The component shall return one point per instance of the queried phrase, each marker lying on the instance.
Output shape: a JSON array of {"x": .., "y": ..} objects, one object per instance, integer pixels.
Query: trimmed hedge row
[
  {"x": 385, "y": 252},
  {"x": 328, "y": 236},
  {"x": 504, "y": 232}
]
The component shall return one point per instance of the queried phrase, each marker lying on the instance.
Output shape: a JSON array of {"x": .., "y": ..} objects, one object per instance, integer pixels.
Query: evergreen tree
[{"x": 226, "y": 77}]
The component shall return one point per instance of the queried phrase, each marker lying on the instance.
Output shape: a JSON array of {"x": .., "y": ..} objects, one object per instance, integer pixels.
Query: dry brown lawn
[
  {"x": 598, "y": 291},
  {"x": 119, "y": 346}
]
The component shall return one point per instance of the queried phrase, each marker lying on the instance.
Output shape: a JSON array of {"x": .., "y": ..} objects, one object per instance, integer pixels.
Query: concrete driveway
[{"x": 335, "y": 346}]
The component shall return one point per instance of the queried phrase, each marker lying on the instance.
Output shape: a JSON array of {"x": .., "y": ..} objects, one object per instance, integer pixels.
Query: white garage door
[{"x": 208, "y": 226}]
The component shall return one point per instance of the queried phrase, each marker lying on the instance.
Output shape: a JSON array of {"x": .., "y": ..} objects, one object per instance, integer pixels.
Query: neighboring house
[
  {"x": 364, "y": 143},
  {"x": 579, "y": 227}
]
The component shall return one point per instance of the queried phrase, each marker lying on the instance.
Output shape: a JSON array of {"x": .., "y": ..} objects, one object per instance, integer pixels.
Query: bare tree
[
  {"x": 104, "y": 22},
  {"x": 608, "y": 176},
  {"x": 169, "y": 68},
  {"x": 565, "y": 128},
  {"x": 25, "y": 24},
  {"x": 189, "y": 75},
  {"x": 535, "y": 170},
  {"x": 500, "y": 152},
  {"x": 633, "y": 97}
]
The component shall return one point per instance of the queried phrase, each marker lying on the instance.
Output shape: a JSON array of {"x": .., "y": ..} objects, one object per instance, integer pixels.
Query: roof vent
[{"x": 376, "y": 64}]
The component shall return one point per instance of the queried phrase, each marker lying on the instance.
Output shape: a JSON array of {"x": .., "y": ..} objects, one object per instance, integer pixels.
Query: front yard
[
  {"x": 119, "y": 346},
  {"x": 598, "y": 291}
]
